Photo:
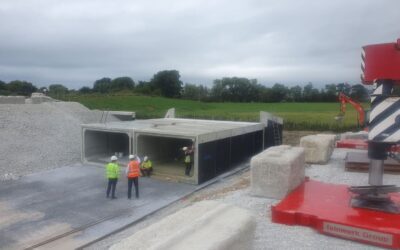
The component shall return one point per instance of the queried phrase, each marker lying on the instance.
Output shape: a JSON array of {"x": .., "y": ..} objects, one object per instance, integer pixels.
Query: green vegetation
[
  {"x": 297, "y": 116},
  {"x": 229, "y": 98}
]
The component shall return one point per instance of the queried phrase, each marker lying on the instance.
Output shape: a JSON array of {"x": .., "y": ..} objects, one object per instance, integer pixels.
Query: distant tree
[
  {"x": 194, "y": 92},
  {"x": 168, "y": 82},
  {"x": 102, "y": 85},
  {"x": 311, "y": 94},
  {"x": 295, "y": 94},
  {"x": 21, "y": 88},
  {"x": 219, "y": 91},
  {"x": 3, "y": 88},
  {"x": 122, "y": 83},
  {"x": 204, "y": 93},
  {"x": 264, "y": 94},
  {"x": 359, "y": 93},
  {"x": 235, "y": 89},
  {"x": 279, "y": 92},
  {"x": 85, "y": 90},
  {"x": 330, "y": 93},
  {"x": 144, "y": 87},
  {"x": 190, "y": 91},
  {"x": 345, "y": 88},
  {"x": 57, "y": 90}
]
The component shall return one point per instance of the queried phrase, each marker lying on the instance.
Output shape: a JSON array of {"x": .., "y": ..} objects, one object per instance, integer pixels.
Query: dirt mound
[{"x": 35, "y": 137}]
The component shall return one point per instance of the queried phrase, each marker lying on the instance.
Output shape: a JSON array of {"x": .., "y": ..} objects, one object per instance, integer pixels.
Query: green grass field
[{"x": 297, "y": 116}]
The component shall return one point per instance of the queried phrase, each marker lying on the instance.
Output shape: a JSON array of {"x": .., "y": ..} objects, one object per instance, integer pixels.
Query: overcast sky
[{"x": 75, "y": 42}]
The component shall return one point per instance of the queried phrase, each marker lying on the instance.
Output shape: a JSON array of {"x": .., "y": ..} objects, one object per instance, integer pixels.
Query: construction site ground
[
  {"x": 49, "y": 200},
  {"x": 235, "y": 190},
  {"x": 67, "y": 207}
]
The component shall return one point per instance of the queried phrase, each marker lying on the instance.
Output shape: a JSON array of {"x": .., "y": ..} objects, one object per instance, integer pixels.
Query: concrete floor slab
[{"x": 67, "y": 207}]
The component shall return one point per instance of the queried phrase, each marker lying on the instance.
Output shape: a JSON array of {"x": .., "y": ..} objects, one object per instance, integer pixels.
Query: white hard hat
[
  {"x": 114, "y": 158},
  {"x": 184, "y": 148},
  {"x": 145, "y": 158},
  {"x": 132, "y": 157}
]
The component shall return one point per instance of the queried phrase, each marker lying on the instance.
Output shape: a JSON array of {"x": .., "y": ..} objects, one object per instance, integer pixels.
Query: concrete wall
[{"x": 12, "y": 99}]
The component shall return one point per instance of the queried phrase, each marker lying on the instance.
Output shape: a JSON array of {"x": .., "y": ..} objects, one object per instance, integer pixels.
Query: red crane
[{"x": 369, "y": 213}]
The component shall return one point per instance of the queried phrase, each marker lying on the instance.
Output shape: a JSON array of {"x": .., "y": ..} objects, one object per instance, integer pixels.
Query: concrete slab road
[{"x": 67, "y": 207}]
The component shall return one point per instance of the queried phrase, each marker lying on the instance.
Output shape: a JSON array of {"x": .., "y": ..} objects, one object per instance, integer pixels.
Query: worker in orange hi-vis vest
[{"x": 132, "y": 172}]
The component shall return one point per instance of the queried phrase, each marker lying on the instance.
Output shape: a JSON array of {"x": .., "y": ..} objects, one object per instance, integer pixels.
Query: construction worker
[
  {"x": 112, "y": 173},
  {"x": 146, "y": 167},
  {"x": 188, "y": 159},
  {"x": 132, "y": 172}
]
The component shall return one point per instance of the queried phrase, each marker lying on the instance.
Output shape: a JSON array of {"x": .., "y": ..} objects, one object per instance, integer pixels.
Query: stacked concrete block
[
  {"x": 12, "y": 99},
  {"x": 204, "y": 225},
  {"x": 277, "y": 171},
  {"x": 318, "y": 148}
]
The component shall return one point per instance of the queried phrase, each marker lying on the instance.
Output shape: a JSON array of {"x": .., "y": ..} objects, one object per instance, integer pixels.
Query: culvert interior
[
  {"x": 165, "y": 152},
  {"x": 99, "y": 146}
]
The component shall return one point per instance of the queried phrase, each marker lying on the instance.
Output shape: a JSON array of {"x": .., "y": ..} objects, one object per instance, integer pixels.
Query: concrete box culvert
[
  {"x": 218, "y": 145},
  {"x": 99, "y": 146},
  {"x": 167, "y": 155}
]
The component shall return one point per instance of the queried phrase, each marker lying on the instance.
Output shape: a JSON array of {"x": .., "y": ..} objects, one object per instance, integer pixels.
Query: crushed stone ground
[{"x": 36, "y": 137}]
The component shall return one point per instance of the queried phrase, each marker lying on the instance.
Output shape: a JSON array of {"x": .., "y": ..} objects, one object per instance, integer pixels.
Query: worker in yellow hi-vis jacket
[
  {"x": 146, "y": 167},
  {"x": 188, "y": 159},
  {"x": 112, "y": 174}
]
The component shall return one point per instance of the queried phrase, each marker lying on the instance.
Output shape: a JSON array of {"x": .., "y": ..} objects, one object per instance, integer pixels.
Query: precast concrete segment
[
  {"x": 12, "y": 99},
  {"x": 163, "y": 139},
  {"x": 318, "y": 148},
  {"x": 37, "y": 98},
  {"x": 204, "y": 225},
  {"x": 204, "y": 130},
  {"x": 277, "y": 171}
]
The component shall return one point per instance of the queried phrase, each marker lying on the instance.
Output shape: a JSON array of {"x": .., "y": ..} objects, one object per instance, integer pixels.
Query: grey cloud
[{"x": 78, "y": 41}]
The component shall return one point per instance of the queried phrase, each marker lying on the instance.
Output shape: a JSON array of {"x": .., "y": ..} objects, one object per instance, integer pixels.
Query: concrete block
[
  {"x": 12, "y": 99},
  {"x": 170, "y": 113},
  {"x": 265, "y": 117},
  {"x": 277, "y": 171},
  {"x": 123, "y": 115},
  {"x": 362, "y": 135},
  {"x": 41, "y": 99},
  {"x": 204, "y": 225},
  {"x": 318, "y": 148},
  {"x": 37, "y": 94}
]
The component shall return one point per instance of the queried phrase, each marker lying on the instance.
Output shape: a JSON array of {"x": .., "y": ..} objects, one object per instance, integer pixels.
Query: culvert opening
[
  {"x": 101, "y": 145},
  {"x": 166, "y": 154}
]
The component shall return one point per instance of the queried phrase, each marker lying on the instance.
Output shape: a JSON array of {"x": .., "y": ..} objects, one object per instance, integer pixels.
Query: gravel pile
[{"x": 36, "y": 137}]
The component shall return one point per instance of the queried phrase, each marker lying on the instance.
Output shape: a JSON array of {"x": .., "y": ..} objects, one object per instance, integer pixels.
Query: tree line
[{"x": 167, "y": 83}]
